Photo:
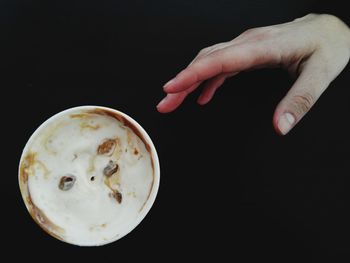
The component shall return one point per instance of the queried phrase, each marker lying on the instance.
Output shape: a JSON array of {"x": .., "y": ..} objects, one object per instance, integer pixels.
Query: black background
[{"x": 230, "y": 187}]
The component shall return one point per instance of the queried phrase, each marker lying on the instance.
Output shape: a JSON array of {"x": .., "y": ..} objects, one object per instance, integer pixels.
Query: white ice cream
[{"x": 98, "y": 208}]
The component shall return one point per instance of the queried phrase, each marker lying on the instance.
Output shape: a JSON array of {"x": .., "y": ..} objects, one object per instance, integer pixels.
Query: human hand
[{"x": 315, "y": 48}]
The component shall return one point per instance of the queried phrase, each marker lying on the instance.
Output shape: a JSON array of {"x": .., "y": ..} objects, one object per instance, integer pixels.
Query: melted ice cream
[{"x": 86, "y": 176}]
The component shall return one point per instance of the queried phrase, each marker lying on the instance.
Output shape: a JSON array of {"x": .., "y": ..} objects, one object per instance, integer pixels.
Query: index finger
[{"x": 230, "y": 59}]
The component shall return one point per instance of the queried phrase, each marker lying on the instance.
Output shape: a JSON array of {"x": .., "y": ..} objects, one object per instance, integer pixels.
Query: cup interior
[{"x": 29, "y": 163}]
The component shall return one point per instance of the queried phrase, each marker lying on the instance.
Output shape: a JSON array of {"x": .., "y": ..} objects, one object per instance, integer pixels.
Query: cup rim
[{"x": 156, "y": 174}]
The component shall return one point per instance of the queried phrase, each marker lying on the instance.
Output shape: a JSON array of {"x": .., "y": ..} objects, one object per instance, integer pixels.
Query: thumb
[{"x": 311, "y": 83}]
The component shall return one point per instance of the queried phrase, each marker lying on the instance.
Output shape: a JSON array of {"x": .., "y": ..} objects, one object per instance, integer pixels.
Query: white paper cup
[{"x": 89, "y": 175}]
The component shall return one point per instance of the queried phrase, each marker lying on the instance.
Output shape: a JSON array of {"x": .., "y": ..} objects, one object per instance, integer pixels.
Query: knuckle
[
  {"x": 303, "y": 103},
  {"x": 246, "y": 35},
  {"x": 250, "y": 31},
  {"x": 260, "y": 33},
  {"x": 204, "y": 50}
]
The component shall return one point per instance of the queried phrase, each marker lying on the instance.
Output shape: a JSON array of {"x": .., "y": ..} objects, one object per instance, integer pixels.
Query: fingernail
[
  {"x": 286, "y": 123},
  {"x": 168, "y": 83},
  {"x": 162, "y": 102}
]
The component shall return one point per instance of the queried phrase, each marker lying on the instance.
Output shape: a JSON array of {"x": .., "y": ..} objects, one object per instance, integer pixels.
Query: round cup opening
[{"x": 32, "y": 159}]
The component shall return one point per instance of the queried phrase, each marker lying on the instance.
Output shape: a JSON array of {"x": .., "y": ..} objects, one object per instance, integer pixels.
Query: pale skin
[{"x": 314, "y": 48}]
